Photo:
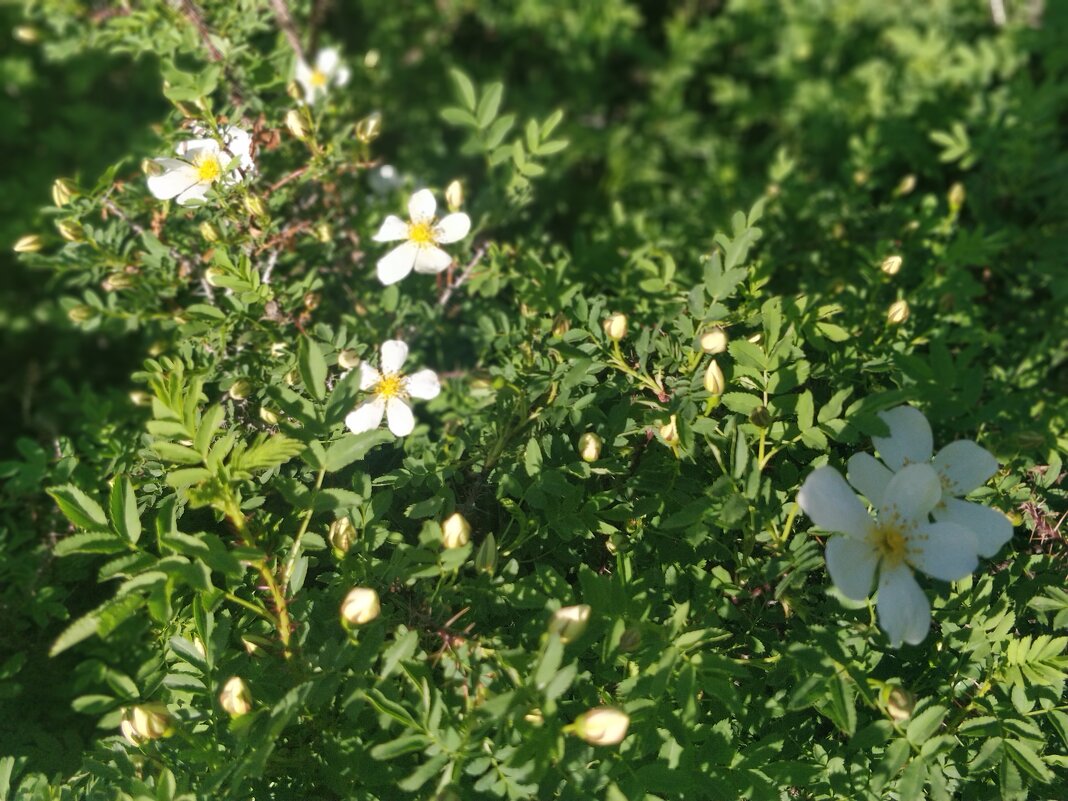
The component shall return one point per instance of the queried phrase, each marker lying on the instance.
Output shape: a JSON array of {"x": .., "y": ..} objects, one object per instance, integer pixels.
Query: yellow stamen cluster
[
  {"x": 421, "y": 233},
  {"x": 208, "y": 167},
  {"x": 890, "y": 543},
  {"x": 317, "y": 78},
  {"x": 391, "y": 386}
]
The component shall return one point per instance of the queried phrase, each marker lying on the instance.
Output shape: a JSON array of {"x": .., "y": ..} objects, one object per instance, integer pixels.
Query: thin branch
[
  {"x": 447, "y": 294},
  {"x": 193, "y": 14},
  {"x": 285, "y": 22}
]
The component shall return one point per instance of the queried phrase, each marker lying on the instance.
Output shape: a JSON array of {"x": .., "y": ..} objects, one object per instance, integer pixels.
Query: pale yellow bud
[
  {"x": 907, "y": 184},
  {"x": 63, "y": 190},
  {"x": 27, "y": 34},
  {"x": 369, "y": 128},
  {"x": 957, "y": 196},
  {"x": 81, "y": 314},
  {"x": 209, "y": 232},
  {"x": 254, "y": 206},
  {"x": 715, "y": 382},
  {"x": 294, "y": 91},
  {"x": 342, "y": 535},
  {"x": 348, "y": 359},
  {"x": 70, "y": 230},
  {"x": 714, "y": 341},
  {"x": 454, "y": 195},
  {"x": 31, "y": 243},
  {"x": 323, "y": 232},
  {"x": 292, "y": 378},
  {"x": 371, "y": 58},
  {"x": 570, "y": 621},
  {"x": 589, "y": 447},
  {"x": 295, "y": 124},
  {"x": 213, "y": 274},
  {"x": 898, "y": 312},
  {"x": 139, "y": 397},
  {"x": 150, "y": 721},
  {"x": 268, "y": 416},
  {"x": 603, "y": 725},
  {"x": 455, "y": 531},
  {"x": 615, "y": 327},
  {"x": 127, "y": 729},
  {"x": 117, "y": 281},
  {"x": 360, "y": 606},
  {"x": 670, "y": 431},
  {"x": 235, "y": 698},
  {"x": 899, "y": 704},
  {"x": 240, "y": 389},
  {"x": 151, "y": 167},
  {"x": 486, "y": 558},
  {"x": 278, "y": 349},
  {"x": 891, "y": 265}
]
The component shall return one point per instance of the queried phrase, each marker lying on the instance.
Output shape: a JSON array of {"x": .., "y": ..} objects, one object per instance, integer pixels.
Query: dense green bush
[{"x": 713, "y": 247}]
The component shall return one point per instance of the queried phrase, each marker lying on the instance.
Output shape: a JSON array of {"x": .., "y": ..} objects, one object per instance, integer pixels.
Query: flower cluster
[
  {"x": 202, "y": 163},
  {"x": 920, "y": 520}
]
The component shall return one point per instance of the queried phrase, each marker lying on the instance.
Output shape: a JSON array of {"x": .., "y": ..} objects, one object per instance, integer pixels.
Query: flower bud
[
  {"x": 81, "y": 314},
  {"x": 899, "y": 704},
  {"x": 139, "y": 397},
  {"x": 615, "y": 327},
  {"x": 117, "y": 281},
  {"x": 714, "y": 341},
  {"x": 898, "y": 312},
  {"x": 292, "y": 378},
  {"x": 348, "y": 359},
  {"x": 342, "y": 535},
  {"x": 278, "y": 349},
  {"x": 312, "y": 300},
  {"x": 760, "y": 417},
  {"x": 295, "y": 124},
  {"x": 268, "y": 416},
  {"x": 209, "y": 232},
  {"x": 294, "y": 91},
  {"x": 371, "y": 58},
  {"x": 63, "y": 189},
  {"x": 589, "y": 447},
  {"x": 235, "y": 698},
  {"x": 27, "y": 34},
  {"x": 486, "y": 558},
  {"x": 454, "y": 195},
  {"x": 127, "y": 729},
  {"x": 213, "y": 274},
  {"x": 240, "y": 389},
  {"x": 150, "y": 721},
  {"x": 360, "y": 606},
  {"x": 669, "y": 432},
  {"x": 891, "y": 265},
  {"x": 254, "y": 206},
  {"x": 323, "y": 232},
  {"x": 71, "y": 230},
  {"x": 957, "y": 196},
  {"x": 455, "y": 531},
  {"x": 715, "y": 382},
  {"x": 907, "y": 184},
  {"x": 570, "y": 621},
  {"x": 31, "y": 243},
  {"x": 369, "y": 128},
  {"x": 630, "y": 640},
  {"x": 603, "y": 725}
]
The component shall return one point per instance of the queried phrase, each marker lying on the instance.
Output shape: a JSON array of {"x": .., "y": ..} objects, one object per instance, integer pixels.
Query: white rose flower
[
  {"x": 899, "y": 540},
  {"x": 422, "y": 236},
  {"x": 391, "y": 390},
  {"x": 202, "y": 163},
  {"x": 328, "y": 69},
  {"x": 961, "y": 466}
]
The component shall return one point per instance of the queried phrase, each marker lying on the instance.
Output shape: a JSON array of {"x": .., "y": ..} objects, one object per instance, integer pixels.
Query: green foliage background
[{"x": 753, "y": 678}]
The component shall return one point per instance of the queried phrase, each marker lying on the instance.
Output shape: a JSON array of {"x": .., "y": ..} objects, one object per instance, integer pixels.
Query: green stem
[{"x": 294, "y": 552}]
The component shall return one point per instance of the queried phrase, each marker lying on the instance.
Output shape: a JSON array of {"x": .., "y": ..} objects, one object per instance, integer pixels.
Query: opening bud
[
  {"x": 455, "y": 531},
  {"x": 27, "y": 34},
  {"x": 615, "y": 327},
  {"x": 342, "y": 535},
  {"x": 714, "y": 341},
  {"x": 589, "y": 447},
  {"x": 323, "y": 232},
  {"x": 371, "y": 58},
  {"x": 669, "y": 432},
  {"x": 570, "y": 621},
  {"x": 268, "y": 416},
  {"x": 71, "y": 230},
  {"x": 81, "y": 314},
  {"x": 117, "y": 281},
  {"x": 213, "y": 275},
  {"x": 235, "y": 698},
  {"x": 898, "y": 312},
  {"x": 295, "y": 124},
  {"x": 454, "y": 195},
  {"x": 715, "y": 382},
  {"x": 294, "y": 91},
  {"x": 957, "y": 196},
  {"x": 254, "y": 206},
  {"x": 139, "y": 397},
  {"x": 360, "y": 606},
  {"x": 149, "y": 722},
  {"x": 603, "y": 725},
  {"x": 240, "y": 389},
  {"x": 31, "y": 243},
  {"x": 891, "y": 265},
  {"x": 899, "y": 704},
  {"x": 907, "y": 184},
  {"x": 348, "y": 359},
  {"x": 63, "y": 190},
  {"x": 292, "y": 378},
  {"x": 486, "y": 558},
  {"x": 209, "y": 232},
  {"x": 369, "y": 128}
]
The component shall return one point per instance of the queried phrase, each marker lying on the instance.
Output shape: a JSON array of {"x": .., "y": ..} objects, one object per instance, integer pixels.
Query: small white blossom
[
  {"x": 390, "y": 390},
  {"x": 328, "y": 69},
  {"x": 423, "y": 234},
  {"x": 899, "y": 540},
  {"x": 202, "y": 163},
  {"x": 962, "y": 466}
]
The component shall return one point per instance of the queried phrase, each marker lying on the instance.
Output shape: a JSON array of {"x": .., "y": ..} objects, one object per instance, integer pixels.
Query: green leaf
[
  {"x": 489, "y": 104},
  {"x": 912, "y": 780},
  {"x": 465, "y": 87},
  {"x": 271, "y": 452},
  {"x": 923, "y": 725},
  {"x": 123, "y": 507},
  {"x": 79, "y": 508},
  {"x": 312, "y": 368},
  {"x": 1024, "y": 756},
  {"x": 81, "y": 629},
  {"x": 353, "y": 447},
  {"x": 401, "y": 746},
  {"x": 89, "y": 542},
  {"x": 173, "y": 452}
]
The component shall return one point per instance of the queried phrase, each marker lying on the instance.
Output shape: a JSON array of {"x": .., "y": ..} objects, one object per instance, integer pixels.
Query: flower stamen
[
  {"x": 208, "y": 167},
  {"x": 421, "y": 233},
  {"x": 391, "y": 386}
]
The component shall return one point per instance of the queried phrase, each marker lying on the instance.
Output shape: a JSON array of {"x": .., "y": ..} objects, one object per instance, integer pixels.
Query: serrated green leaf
[{"x": 79, "y": 508}]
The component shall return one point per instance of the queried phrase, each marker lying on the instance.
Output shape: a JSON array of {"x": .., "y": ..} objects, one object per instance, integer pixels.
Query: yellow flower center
[
  {"x": 391, "y": 386},
  {"x": 890, "y": 544},
  {"x": 208, "y": 168},
  {"x": 421, "y": 233},
  {"x": 317, "y": 78}
]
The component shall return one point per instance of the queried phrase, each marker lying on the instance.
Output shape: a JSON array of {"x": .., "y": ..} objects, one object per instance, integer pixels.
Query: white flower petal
[
  {"x": 869, "y": 476},
  {"x": 396, "y": 264},
  {"x": 194, "y": 147},
  {"x": 990, "y": 527},
  {"x": 392, "y": 229},
  {"x": 452, "y": 228},
  {"x": 176, "y": 178},
  {"x": 302, "y": 73},
  {"x": 943, "y": 550},
  {"x": 194, "y": 194},
  {"x": 910, "y": 439},
  {"x": 421, "y": 206},
  {"x": 964, "y": 466},
  {"x": 399, "y": 417},
  {"x": 431, "y": 260},
  {"x": 366, "y": 416},
  {"x": 369, "y": 376},
  {"x": 423, "y": 384},
  {"x": 394, "y": 352},
  {"x": 341, "y": 77},
  {"x": 911, "y": 495},
  {"x": 831, "y": 505},
  {"x": 327, "y": 60},
  {"x": 904, "y": 612},
  {"x": 851, "y": 564}
]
